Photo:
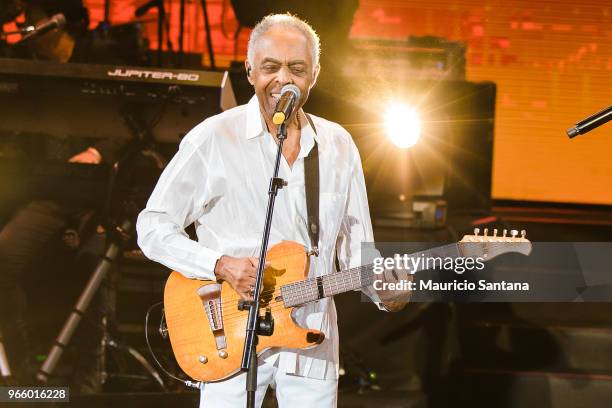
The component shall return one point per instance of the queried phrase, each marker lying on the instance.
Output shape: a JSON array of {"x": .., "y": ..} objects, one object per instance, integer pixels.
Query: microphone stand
[
  {"x": 256, "y": 325},
  {"x": 161, "y": 17},
  {"x": 21, "y": 31},
  {"x": 106, "y": 21},
  {"x": 181, "y": 34},
  {"x": 211, "y": 53}
]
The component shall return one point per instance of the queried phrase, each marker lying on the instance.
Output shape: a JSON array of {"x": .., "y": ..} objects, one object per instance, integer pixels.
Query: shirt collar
[
  {"x": 309, "y": 137},
  {"x": 307, "y": 141},
  {"x": 256, "y": 126}
]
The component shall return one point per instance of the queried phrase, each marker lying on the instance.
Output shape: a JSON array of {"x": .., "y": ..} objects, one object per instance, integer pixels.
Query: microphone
[
  {"x": 57, "y": 21},
  {"x": 590, "y": 123},
  {"x": 290, "y": 94}
]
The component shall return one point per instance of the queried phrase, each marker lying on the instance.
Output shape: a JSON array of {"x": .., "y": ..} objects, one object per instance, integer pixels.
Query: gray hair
[{"x": 286, "y": 20}]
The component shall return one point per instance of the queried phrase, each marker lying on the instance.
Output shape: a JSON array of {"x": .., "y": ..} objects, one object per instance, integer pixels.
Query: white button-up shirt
[{"x": 219, "y": 180}]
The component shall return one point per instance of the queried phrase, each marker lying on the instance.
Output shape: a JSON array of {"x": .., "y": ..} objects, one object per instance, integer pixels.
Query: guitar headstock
[{"x": 489, "y": 246}]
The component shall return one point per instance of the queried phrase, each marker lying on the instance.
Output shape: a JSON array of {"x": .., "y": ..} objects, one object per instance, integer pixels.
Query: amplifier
[{"x": 415, "y": 58}]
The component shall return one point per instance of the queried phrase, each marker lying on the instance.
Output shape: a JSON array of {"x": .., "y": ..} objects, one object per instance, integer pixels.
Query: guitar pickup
[{"x": 211, "y": 300}]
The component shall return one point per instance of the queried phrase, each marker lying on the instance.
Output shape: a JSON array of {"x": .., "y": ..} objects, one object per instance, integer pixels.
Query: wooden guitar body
[{"x": 207, "y": 329}]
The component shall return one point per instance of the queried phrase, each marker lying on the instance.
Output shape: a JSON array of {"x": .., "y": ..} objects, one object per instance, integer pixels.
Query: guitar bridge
[{"x": 211, "y": 300}]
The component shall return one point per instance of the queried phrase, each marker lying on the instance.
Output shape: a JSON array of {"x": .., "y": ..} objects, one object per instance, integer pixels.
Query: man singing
[{"x": 219, "y": 180}]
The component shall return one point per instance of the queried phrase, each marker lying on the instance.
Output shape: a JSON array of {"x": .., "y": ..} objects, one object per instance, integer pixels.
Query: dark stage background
[{"x": 518, "y": 73}]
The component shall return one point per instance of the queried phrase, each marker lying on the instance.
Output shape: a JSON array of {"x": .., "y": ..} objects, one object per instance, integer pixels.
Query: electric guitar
[{"x": 207, "y": 328}]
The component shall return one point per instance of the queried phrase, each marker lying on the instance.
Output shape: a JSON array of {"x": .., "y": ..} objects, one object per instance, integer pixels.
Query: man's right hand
[{"x": 239, "y": 273}]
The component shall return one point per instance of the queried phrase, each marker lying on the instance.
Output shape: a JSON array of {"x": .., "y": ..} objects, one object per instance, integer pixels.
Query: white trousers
[{"x": 292, "y": 391}]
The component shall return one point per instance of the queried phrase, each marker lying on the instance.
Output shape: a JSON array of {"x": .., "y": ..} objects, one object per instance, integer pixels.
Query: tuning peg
[
  {"x": 523, "y": 234},
  {"x": 486, "y": 232},
  {"x": 505, "y": 233},
  {"x": 495, "y": 232},
  {"x": 476, "y": 231},
  {"x": 514, "y": 233}
]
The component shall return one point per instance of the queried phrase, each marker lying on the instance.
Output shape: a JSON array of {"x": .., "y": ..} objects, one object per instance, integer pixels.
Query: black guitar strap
[{"x": 311, "y": 182}]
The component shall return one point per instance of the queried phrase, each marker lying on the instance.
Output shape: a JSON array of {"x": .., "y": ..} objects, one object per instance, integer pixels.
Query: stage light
[{"x": 402, "y": 125}]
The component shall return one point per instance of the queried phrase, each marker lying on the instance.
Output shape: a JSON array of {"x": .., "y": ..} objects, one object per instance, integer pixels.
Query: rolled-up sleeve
[{"x": 177, "y": 201}]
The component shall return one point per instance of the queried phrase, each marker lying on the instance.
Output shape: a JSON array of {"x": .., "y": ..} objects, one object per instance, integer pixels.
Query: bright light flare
[{"x": 402, "y": 125}]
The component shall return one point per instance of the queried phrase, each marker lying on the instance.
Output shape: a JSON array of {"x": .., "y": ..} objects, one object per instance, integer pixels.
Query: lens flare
[{"x": 402, "y": 125}]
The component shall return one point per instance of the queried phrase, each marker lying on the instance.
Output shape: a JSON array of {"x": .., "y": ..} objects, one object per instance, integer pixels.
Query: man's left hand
[
  {"x": 394, "y": 300},
  {"x": 89, "y": 156}
]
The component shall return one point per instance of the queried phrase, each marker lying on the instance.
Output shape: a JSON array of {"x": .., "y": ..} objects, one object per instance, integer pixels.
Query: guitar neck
[{"x": 311, "y": 289}]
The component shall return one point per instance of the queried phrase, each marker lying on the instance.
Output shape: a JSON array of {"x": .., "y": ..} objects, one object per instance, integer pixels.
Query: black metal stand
[
  {"x": 118, "y": 234},
  {"x": 71, "y": 324},
  {"x": 161, "y": 16},
  {"x": 112, "y": 252},
  {"x": 181, "y": 34},
  {"x": 106, "y": 13},
  {"x": 256, "y": 325},
  {"x": 209, "y": 46}
]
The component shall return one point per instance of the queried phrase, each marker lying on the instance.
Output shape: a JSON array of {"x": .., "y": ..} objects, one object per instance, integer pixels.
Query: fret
[
  {"x": 330, "y": 282},
  {"x": 305, "y": 291},
  {"x": 297, "y": 293},
  {"x": 338, "y": 282},
  {"x": 350, "y": 279},
  {"x": 333, "y": 284}
]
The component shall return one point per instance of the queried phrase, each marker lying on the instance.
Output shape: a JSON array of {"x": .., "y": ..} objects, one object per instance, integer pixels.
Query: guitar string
[
  {"x": 311, "y": 281},
  {"x": 303, "y": 295},
  {"x": 347, "y": 279},
  {"x": 231, "y": 319},
  {"x": 344, "y": 281},
  {"x": 238, "y": 317},
  {"x": 301, "y": 292},
  {"x": 304, "y": 291},
  {"x": 306, "y": 288},
  {"x": 309, "y": 293},
  {"x": 306, "y": 285}
]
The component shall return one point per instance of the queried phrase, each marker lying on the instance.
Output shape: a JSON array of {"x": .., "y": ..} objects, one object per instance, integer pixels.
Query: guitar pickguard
[{"x": 213, "y": 306}]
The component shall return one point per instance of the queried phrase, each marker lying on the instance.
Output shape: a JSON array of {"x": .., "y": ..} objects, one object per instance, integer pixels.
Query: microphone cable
[{"x": 188, "y": 383}]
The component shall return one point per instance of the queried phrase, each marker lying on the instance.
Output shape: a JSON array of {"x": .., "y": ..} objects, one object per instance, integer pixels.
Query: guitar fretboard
[{"x": 311, "y": 289}]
